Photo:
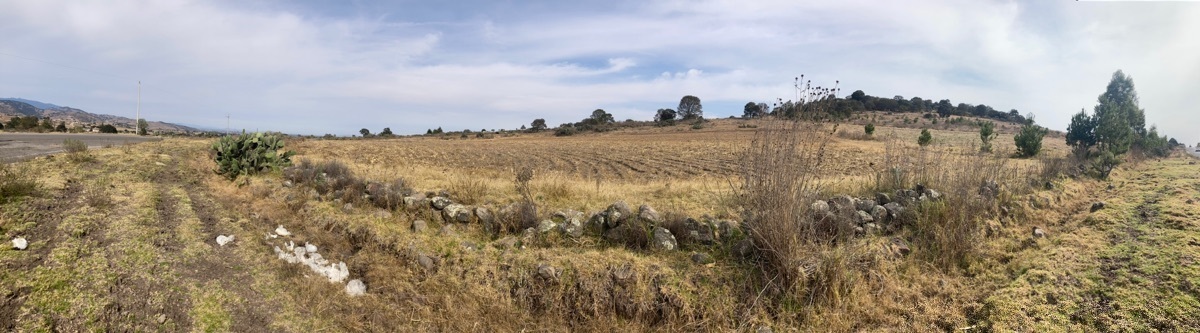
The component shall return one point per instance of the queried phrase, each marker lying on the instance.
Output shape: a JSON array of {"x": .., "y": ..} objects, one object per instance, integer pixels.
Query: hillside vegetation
[{"x": 127, "y": 242}]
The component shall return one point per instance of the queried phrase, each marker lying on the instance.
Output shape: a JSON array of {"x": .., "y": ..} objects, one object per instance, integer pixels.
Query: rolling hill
[{"x": 13, "y": 107}]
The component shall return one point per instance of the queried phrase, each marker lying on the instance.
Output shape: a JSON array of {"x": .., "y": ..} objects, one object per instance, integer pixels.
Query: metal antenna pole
[
  {"x": 226, "y": 124},
  {"x": 137, "y": 123}
]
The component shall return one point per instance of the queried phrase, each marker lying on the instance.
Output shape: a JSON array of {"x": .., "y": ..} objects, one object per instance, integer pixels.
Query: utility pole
[
  {"x": 137, "y": 123},
  {"x": 226, "y": 124}
]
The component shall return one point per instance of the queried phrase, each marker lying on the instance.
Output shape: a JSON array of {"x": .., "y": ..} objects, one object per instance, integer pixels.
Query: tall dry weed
[
  {"x": 799, "y": 254},
  {"x": 973, "y": 186}
]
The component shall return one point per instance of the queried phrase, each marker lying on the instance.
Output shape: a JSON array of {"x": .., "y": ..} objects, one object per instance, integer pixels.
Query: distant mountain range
[{"x": 13, "y": 107}]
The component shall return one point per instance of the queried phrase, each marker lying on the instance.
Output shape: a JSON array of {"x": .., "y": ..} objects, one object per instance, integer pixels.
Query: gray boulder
[
  {"x": 416, "y": 201},
  {"x": 547, "y": 272},
  {"x": 484, "y": 215},
  {"x": 457, "y": 213},
  {"x": 899, "y": 247},
  {"x": 439, "y": 203},
  {"x": 894, "y": 209},
  {"x": 426, "y": 262},
  {"x": 865, "y": 205},
  {"x": 487, "y": 220},
  {"x": 882, "y": 198},
  {"x": 594, "y": 225},
  {"x": 569, "y": 222},
  {"x": 1098, "y": 205},
  {"x": 864, "y": 217},
  {"x": 820, "y": 207},
  {"x": 933, "y": 194},
  {"x": 702, "y": 258},
  {"x": 616, "y": 213},
  {"x": 546, "y": 226},
  {"x": 728, "y": 230},
  {"x": 879, "y": 213},
  {"x": 648, "y": 214},
  {"x": 701, "y": 232},
  {"x": 419, "y": 226},
  {"x": 663, "y": 239},
  {"x": 842, "y": 202},
  {"x": 744, "y": 249}
]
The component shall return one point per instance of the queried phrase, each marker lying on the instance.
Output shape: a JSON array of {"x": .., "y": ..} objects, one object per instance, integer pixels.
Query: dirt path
[{"x": 127, "y": 244}]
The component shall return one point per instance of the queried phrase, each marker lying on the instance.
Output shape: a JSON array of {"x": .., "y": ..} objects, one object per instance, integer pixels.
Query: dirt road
[{"x": 20, "y": 146}]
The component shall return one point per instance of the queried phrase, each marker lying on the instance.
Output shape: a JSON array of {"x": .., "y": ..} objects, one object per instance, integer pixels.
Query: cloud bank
[{"x": 315, "y": 68}]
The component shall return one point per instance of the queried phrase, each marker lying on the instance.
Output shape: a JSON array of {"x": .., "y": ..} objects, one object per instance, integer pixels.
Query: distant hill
[
  {"x": 13, "y": 107},
  {"x": 36, "y": 104}
]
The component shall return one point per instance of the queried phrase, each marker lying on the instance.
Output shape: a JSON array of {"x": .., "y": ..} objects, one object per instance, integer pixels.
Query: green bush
[
  {"x": 987, "y": 132},
  {"x": 870, "y": 129},
  {"x": 1105, "y": 163},
  {"x": 16, "y": 183},
  {"x": 248, "y": 154},
  {"x": 73, "y": 146},
  {"x": 564, "y": 131},
  {"x": 925, "y": 138},
  {"x": 1029, "y": 140}
]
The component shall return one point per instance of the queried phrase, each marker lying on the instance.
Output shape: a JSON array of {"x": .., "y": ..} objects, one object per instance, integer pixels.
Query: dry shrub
[
  {"x": 77, "y": 151},
  {"x": 677, "y": 223},
  {"x": 1053, "y": 167},
  {"x": 325, "y": 177},
  {"x": 801, "y": 255},
  {"x": 16, "y": 182},
  {"x": 390, "y": 195},
  {"x": 468, "y": 190},
  {"x": 855, "y": 135},
  {"x": 555, "y": 190},
  {"x": 973, "y": 186},
  {"x": 522, "y": 214},
  {"x": 73, "y": 146}
]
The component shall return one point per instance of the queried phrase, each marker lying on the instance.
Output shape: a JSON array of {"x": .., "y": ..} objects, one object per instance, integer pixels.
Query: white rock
[
  {"x": 317, "y": 263},
  {"x": 222, "y": 240},
  {"x": 20, "y": 243},
  {"x": 281, "y": 231},
  {"x": 337, "y": 273},
  {"x": 356, "y": 288}
]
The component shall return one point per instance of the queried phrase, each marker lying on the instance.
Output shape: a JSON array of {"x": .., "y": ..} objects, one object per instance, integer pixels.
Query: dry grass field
[
  {"x": 678, "y": 168},
  {"x": 123, "y": 239}
]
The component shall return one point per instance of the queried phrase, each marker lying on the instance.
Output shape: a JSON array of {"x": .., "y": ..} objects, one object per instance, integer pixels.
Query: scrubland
[{"x": 123, "y": 240}]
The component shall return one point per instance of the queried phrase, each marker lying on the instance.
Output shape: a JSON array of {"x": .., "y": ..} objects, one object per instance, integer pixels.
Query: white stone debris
[
  {"x": 281, "y": 231},
  {"x": 310, "y": 248},
  {"x": 222, "y": 239},
  {"x": 20, "y": 243},
  {"x": 301, "y": 255},
  {"x": 356, "y": 288}
]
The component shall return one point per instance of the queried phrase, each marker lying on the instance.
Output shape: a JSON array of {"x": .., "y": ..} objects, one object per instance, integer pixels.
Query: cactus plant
[{"x": 248, "y": 154}]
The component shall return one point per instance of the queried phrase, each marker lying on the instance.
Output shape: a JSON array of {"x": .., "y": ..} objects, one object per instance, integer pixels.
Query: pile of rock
[
  {"x": 308, "y": 255},
  {"x": 871, "y": 215}
]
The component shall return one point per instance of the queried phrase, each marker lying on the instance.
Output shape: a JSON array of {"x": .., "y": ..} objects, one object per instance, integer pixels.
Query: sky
[{"x": 334, "y": 67}]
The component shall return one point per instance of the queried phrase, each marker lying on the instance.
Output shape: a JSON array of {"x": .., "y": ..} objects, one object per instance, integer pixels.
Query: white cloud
[{"x": 314, "y": 73}]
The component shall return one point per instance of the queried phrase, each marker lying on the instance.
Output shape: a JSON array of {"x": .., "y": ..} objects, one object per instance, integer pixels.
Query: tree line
[{"x": 860, "y": 101}]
